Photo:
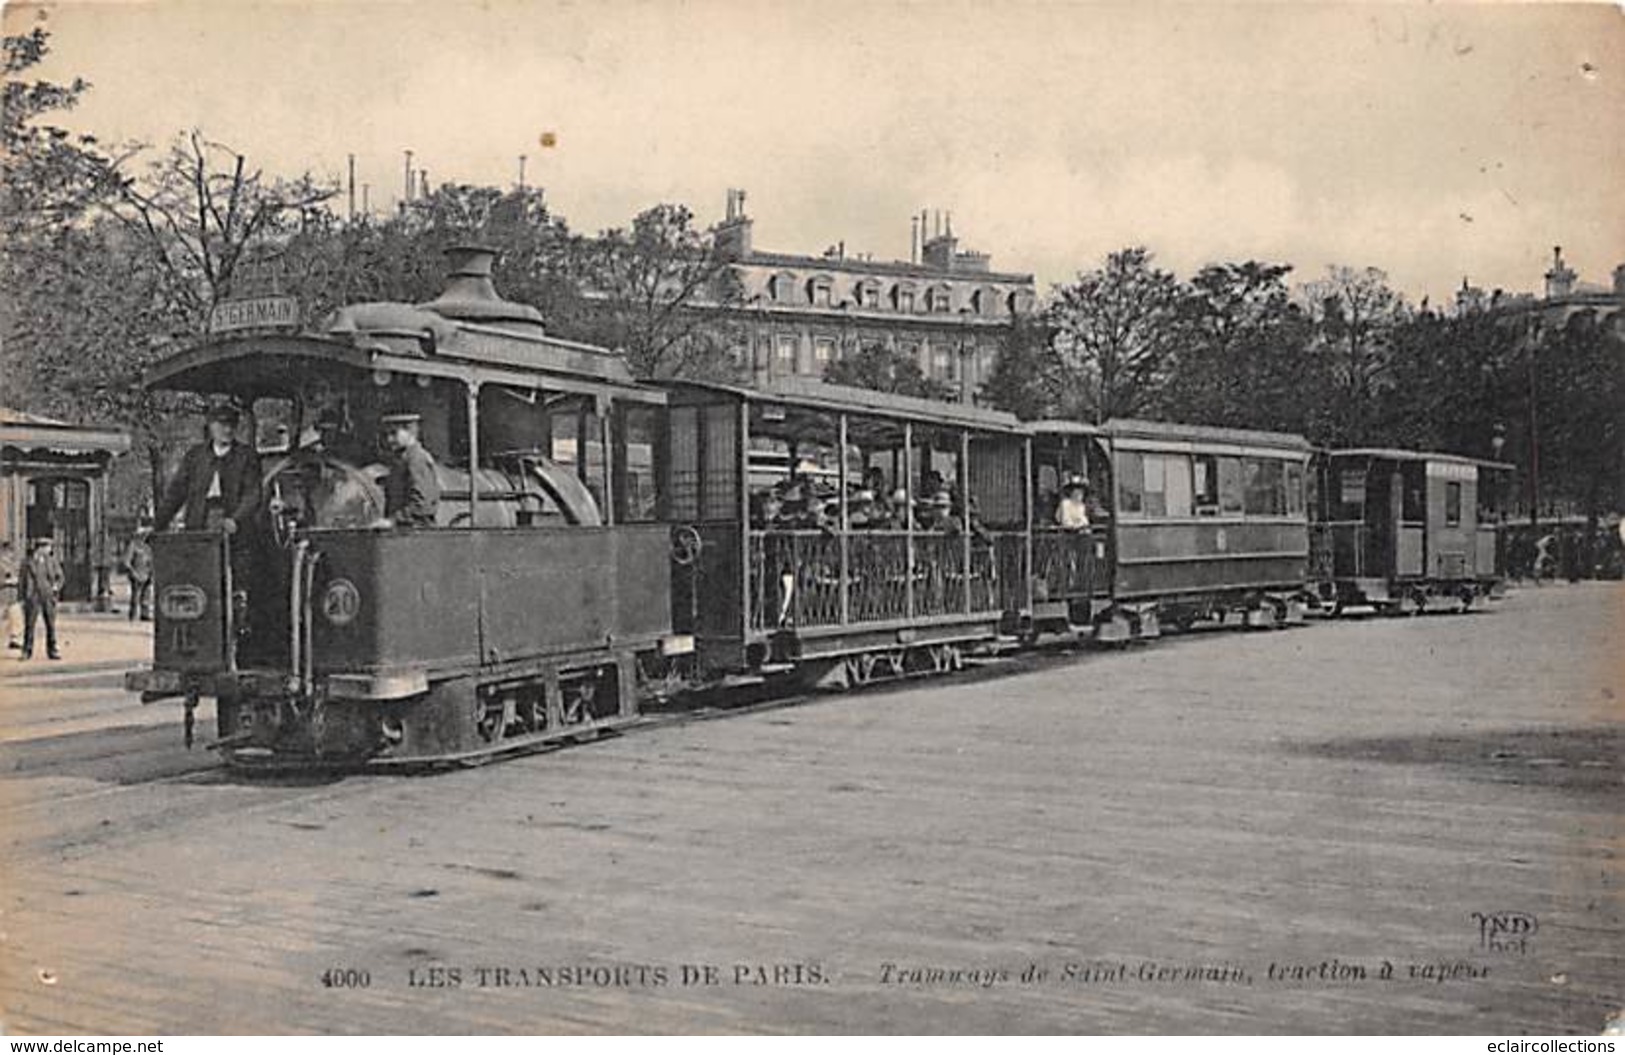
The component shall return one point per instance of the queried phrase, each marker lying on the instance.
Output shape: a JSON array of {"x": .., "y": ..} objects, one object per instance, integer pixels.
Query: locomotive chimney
[{"x": 470, "y": 293}]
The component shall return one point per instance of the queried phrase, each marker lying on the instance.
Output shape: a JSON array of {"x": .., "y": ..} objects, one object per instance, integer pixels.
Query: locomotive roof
[
  {"x": 821, "y": 395},
  {"x": 469, "y": 333},
  {"x": 277, "y": 364},
  {"x": 1398, "y": 455}
]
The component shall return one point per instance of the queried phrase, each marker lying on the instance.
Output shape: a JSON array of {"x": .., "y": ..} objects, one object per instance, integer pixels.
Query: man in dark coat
[
  {"x": 412, "y": 489},
  {"x": 219, "y": 481},
  {"x": 41, "y": 586},
  {"x": 138, "y": 566}
]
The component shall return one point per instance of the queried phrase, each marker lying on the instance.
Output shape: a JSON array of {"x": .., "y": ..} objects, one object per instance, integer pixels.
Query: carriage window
[
  {"x": 1131, "y": 483},
  {"x": 1351, "y": 494},
  {"x": 1414, "y": 490},
  {"x": 1206, "y": 485},
  {"x": 635, "y": 455},
  {"x": 1294, "y": 488},
  {"x": 1452, "y": 504},
  {"x": 1156, "y": 495},
  {"x": 1265, "y": 487},
  {"x": 1176, "y": 479},
  {"x": 685, "y": 463},
  {"x": 1230, "y": 487}
]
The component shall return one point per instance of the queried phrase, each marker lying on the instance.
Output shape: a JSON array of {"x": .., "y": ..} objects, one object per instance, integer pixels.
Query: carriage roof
[
  {"x": 1395, "y": 454},
  {"x": 823, "y": 396}
]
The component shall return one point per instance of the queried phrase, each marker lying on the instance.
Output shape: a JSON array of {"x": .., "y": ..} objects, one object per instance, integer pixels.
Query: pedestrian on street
[
  {"x": 41, "y": 586},
  {"x": 138, "y": 568},
  {"x": 11, "y": 612}
]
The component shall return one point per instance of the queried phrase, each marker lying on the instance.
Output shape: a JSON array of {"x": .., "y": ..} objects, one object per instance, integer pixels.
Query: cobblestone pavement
[{"x": 1224, "y": 832}]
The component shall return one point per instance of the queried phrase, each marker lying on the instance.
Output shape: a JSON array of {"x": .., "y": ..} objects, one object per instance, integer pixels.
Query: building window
[
  {"x": 823, "y": 354},
  {"x": 938, "y": 299},
  {"x": 869, "y": 294},
  {"x": 782, "y": 288},
  {"x": 818, "y": 291},
  {"x": 942, "y": 364},
  {"x": 784, "y": 353},
  {"x": 903, "y": 298}
]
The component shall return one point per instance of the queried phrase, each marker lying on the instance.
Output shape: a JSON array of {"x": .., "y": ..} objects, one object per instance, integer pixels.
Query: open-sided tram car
[
  {"x": 855, "y": 597},
  {"x": 1404, "y": 531},
  {"x": 527, "y": 614}
]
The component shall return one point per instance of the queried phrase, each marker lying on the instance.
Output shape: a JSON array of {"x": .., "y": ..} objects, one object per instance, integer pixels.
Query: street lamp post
[{"x": 1533, "y": 347}]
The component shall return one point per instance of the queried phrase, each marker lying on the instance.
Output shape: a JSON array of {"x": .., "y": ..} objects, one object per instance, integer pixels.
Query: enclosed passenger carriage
[
  {"x": 1403, "y": 531},
  {"x": 529, "y": 611},
  {"x": 1206, "y": 523},
  {"x": 842, "y": 534}
]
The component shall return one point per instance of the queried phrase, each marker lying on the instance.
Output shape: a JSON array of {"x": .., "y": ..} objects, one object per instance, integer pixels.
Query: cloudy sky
[{"x": 1431, "y": 141}]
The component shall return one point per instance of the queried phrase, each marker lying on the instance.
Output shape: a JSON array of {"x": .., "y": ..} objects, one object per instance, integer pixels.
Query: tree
[
  {"x": 1355, "y": 312},
  {"x": 1243, "y": 357},
  {"x": 1026, "y": 374},
  {"x": 200, "y": 211},
  {"x": 50, "y": 175},
  {"x": 882, "y": 368},
  {"x": 1114, "y": 331},
  {"x": 643, "y": 288}
]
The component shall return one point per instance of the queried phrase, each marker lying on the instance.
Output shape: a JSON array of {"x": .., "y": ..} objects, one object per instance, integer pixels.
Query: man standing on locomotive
[
  {"x": 219, "y": 480},
  {"x": 412, "y": 489}
]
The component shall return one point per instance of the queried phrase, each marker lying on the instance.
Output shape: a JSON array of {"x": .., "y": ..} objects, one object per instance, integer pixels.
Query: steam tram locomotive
[{"x": 601, "y": 541}]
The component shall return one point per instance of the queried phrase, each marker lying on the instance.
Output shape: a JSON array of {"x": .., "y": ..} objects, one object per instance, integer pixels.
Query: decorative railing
[
  {"x": 1063, "y": 563},
  {"x": 879, "y": 580},
  {"x": 796, "y": 581}
]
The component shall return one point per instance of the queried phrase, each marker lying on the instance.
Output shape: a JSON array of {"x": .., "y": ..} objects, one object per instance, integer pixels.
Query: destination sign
[{"x": 254, "y": 313}]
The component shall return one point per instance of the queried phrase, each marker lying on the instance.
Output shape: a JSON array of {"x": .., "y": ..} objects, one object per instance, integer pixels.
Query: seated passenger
[
  {"x": 1072, "y": 510},
  {"x": 765, "y": 510},
  {"x": 860, "y": 510},
  {"x": 819, "y": 516},
  {"x": 937, "y": 514},
  {"x": 412, "y": 489}
]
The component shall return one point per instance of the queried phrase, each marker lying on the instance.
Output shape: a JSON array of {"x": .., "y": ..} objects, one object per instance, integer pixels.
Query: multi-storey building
[
  {"x": 1566, "y": 295},
  {"x": 945, "y": 308}
]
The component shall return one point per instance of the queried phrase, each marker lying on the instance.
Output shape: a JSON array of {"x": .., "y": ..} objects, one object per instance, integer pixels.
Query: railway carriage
[
  {"x": 529, "y": 612},
  {"x": 862, "y": 589},
  {"x": 1402, "y": 531},
  {"x": 1189, "y": 523}
]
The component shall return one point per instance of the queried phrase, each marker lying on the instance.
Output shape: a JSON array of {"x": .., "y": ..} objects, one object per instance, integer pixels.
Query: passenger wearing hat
[
  {"x": 218, "y": 484},
  {"x": 412, "y": 489},
  {"x": 41, "y": 585},
  {"x": 1072, "y": 510}
]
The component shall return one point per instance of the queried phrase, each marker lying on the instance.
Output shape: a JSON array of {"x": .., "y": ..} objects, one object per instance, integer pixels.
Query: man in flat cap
[
  {"x": 219, "y": 480},
  {"x": 412, "y": 489}
]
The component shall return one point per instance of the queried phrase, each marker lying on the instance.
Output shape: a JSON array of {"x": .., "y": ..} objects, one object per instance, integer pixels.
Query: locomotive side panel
[{"x": 449, "y": 600}]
